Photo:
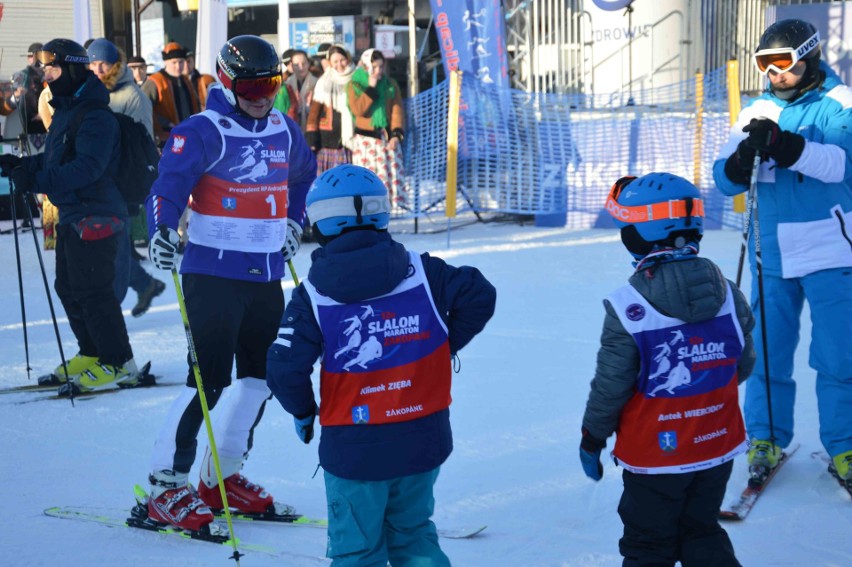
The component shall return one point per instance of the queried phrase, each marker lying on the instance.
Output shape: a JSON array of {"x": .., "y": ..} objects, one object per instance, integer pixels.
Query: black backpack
[{"x": 138, "y": 158}]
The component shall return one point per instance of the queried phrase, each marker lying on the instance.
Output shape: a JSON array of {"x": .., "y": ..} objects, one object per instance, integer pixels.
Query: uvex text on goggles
[{"x": 782, "y": 59}]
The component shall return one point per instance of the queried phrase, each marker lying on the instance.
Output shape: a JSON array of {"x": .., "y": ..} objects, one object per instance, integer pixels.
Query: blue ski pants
[
  {"x": 829, "y": 297},
  {"x": 371, "y": 523},
  {"x": 128, "y": 270}
]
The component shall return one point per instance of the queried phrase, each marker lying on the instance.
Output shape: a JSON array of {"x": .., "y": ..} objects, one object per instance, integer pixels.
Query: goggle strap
[
  {"x": 673, "y": 209},
  {"x": 348, "y": 207}
]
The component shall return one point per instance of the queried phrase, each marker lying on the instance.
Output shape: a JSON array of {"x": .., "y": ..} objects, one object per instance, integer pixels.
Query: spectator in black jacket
[{"x": 75, "y": 172}]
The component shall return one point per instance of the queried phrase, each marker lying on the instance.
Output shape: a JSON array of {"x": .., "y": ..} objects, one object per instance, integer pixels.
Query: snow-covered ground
[{"x": 517, "y": 406}]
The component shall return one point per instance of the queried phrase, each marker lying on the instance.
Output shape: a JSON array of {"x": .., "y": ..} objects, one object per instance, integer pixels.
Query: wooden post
[
  {"x": 734, "y": 107},
  {"x": 453, "y": 142}
]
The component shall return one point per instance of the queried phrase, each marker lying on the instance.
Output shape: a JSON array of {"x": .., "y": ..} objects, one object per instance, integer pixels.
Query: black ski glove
[
  {"x": 22, "y": 180},
  {"x": 738, "y": 167},
  {"x": 8, "y": 162},
  {"x": 314, "y": 141},
  {"x": 767, "y": 137}
]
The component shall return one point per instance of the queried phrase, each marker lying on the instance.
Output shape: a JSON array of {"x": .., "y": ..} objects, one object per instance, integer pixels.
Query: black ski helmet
[
  {"x": 244, "y": 58},
  {"x": 794, "y": 34},
  {"x": 72, "y": 58}
]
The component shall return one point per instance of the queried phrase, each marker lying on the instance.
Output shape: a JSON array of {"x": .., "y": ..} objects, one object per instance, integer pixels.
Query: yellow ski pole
[
  {"x": 293, "y": 272},
  {"x": 205, "y": 410}
]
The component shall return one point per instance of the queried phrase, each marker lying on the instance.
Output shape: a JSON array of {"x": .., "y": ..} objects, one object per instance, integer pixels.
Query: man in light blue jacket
[{"x": 802, "y": 127}]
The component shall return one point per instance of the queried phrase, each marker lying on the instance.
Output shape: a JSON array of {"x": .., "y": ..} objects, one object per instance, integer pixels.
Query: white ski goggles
[{"x": 783, "y": 59}]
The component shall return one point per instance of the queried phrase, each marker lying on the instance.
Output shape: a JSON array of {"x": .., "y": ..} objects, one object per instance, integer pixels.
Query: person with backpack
[
  {"x": 76, "y": 172},
  {"x": 247, "y": 168},
  {"x": 125, "y": 97}
]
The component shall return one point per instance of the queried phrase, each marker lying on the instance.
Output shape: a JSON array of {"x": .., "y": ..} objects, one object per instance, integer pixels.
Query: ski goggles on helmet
[
  {"x": 47, "y": 58},
  {"x": 783, "y": 59},
  {"x": 256, "y": 89},
  {"x": 671, "y": 209}
]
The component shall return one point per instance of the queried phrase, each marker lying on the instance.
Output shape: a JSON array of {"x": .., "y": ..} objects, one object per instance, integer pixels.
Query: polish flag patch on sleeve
[{"x": 177, "y": 144}]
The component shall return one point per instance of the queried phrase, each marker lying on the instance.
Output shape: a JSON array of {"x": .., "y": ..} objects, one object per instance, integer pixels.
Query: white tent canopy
[{"x": 211, "y": 35}]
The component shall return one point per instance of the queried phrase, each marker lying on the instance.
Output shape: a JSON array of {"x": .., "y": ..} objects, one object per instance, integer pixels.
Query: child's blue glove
[
  {"x": 305, "y": 426},
  {"x": 590, "y": 456}
]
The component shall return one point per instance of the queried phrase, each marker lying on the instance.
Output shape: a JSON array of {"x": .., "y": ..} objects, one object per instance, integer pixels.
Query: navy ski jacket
[
  {"x": 78, "y": 179},
  {"x": 353, "y": 267}
]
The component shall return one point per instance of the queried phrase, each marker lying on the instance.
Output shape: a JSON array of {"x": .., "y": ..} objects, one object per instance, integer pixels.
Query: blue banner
[{"x": 472, "y": 38}]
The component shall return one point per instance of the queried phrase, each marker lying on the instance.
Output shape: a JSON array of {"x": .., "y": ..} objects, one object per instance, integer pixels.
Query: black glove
[
  {"x": 8, "y": 162},
  {"x": 767, "y": 137},
  {"x": 739, "y": 165},
  {"x": 22, "y": 180},
  {"x": 590, "y": 455},
  {"x": 314, "y": 140}
]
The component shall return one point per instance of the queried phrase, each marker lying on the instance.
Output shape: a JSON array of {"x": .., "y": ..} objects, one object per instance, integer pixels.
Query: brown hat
[{"x": 174, "y": 50}]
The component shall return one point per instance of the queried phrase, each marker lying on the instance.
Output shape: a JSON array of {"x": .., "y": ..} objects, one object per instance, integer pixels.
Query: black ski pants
[
  {"x": 674, "y": 517},
  {"x": 85, "y": 272},
  {"x": 229, "y": 319}
]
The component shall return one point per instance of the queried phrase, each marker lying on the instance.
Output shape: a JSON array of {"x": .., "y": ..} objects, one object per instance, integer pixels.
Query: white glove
[
  {"x": 293, "y": 240},
  {"x": 163, "y": 248}
]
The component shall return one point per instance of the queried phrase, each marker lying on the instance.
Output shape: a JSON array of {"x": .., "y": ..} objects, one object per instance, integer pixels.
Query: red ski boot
[
  {"x": 242, "y": 495},
  {"x": 180, "y": 507}
]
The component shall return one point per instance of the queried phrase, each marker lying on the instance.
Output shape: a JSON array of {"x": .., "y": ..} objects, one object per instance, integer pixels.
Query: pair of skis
[
  {"x": 60, "y": 390},
  {"x": 740, "y": 508},
  {"x": 216, "y": 532}
]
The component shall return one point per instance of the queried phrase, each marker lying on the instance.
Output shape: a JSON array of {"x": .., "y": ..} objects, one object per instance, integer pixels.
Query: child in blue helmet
[
  {"x": 385, "y": 324},
  {"x": 676, "y": 343}
]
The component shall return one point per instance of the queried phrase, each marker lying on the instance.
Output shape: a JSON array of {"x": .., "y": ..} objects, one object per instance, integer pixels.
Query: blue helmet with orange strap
[
  {"x": 347, "y": 197},
  {"x": 656, "y": 210}
]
